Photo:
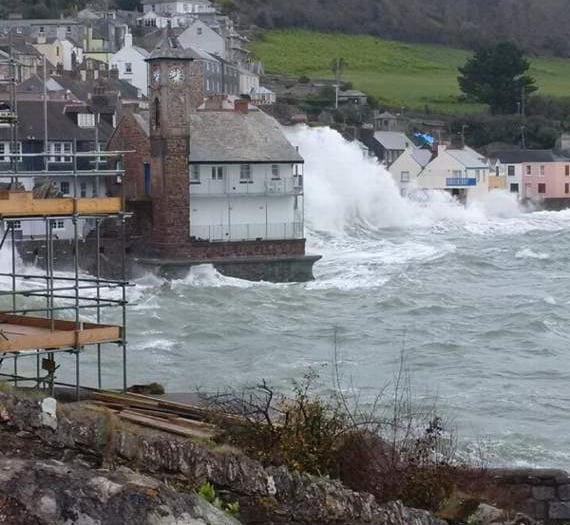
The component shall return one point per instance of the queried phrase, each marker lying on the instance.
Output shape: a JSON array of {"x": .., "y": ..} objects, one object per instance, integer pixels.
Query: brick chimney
[
  {"x": 241, "y": 106},
  {"x": 215, "y": 102}
]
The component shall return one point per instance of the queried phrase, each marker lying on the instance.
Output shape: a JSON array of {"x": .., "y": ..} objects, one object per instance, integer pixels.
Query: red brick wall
[
  {"x": 170, "y": 193},
  {"x": 129, "y": 136}
]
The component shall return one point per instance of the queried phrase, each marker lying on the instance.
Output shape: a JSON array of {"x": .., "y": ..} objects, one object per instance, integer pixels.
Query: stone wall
[{"x": 543, "y": 494}]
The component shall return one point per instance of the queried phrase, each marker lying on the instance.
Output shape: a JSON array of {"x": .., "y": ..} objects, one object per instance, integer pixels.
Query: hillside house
[
  {"x": 200, "y": 35},
  {"x": 181, "y": 7},
  {"x": 540, "y": 176},
  {"x": 130, "y": 64},
  {"x": 387, "y": 146},
  {"x": 29, "y": 61},
  {"x": 406, "y": 169},
  {"x": 64, "y": 54},
  {"x": 462, "y": 172}
]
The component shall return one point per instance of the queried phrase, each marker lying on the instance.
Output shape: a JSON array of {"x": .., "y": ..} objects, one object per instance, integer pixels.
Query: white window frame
[
  {"x": 218, "y": 172},
  {"x": 404, "y": 176},
  {"x": 195, "y": 174},
  {"x": 83, "y": 190},
  {"x": 541, "y": 172},
  {"x": 86, "y": 120},
  {"x": 528, "y": 170},
  {"x": 60, "y": 151},
  {"x": 65, "y": 184},
  {"x": 245, "y": 173},
  {"x": 17, "y": 225},
  {"x": 511, "y": 170},
  {"x": 59, "y": 224},
  {"x": 6, "y": 151},
  {"x": 275, "y": 172},
  {"x": 128, "y": 68},
  {"x": 457, "y": 174}
]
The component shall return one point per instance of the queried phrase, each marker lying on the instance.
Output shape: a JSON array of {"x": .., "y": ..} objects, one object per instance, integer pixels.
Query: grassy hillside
[
  {"x": 397, "y": 74},
  {"x": 539, "y": 26}
]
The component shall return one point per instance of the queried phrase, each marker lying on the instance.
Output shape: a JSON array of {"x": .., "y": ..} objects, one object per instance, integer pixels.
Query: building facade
[{"x": 222, "y": 183}]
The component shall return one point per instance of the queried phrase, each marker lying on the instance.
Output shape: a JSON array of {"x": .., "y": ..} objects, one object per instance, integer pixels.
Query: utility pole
[
  {"x": 523, "y": 137},
  {"x": 523, "y": 96},
  {"x": 337, "y": 85}
]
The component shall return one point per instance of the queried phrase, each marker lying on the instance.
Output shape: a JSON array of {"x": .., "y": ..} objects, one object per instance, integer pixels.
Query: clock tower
[{"x": 174, "y": 91}]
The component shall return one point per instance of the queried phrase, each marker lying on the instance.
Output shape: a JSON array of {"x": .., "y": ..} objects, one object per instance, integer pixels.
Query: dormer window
[
  {"x": 86, "y": 120},
  {"x": 199, "y": 31}
]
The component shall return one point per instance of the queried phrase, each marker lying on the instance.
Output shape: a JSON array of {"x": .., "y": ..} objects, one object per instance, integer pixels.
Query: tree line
[{"x": 536, "y": 25}]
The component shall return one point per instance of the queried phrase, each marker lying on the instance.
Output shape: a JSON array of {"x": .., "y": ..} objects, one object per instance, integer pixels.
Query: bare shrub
[{"x": 388, "y": 448}]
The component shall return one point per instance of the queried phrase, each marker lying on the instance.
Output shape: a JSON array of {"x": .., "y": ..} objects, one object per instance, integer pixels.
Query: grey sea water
[{"x": 478, "y": 298}]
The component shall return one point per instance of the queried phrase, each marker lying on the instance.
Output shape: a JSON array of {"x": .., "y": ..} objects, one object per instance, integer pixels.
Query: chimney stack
[{"x": 241, "y": 105}]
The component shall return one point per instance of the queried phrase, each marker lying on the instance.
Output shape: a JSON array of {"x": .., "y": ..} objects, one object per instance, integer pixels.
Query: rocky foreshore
[{"x": 64, "y": 464}]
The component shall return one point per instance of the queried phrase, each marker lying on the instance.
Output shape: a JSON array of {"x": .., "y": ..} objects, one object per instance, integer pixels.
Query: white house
[
  {"x": 130, "y": 63},
  {"x": 199, "y": 35},
  {"x": 262, "y": 96},
  {"x": 189, "y": 7},
  {"x": 246, "y": 179},
  {"x": 248, "y": 80},
  {"x": 406, "y": 169},
  {"x": 460, "y": 171}
]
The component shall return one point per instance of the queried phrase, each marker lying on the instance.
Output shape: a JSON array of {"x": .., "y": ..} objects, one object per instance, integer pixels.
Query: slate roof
[
  {"x": 525, "y": 155},
  {"x": 227, "y": 136},
  {"x": 468, "y": 157},
  {"x": 422, "y": 156},
  {"x": 61, "y": 125},
  {"x": 392, "y": 140},
  {"x": 169, "y": 47}
]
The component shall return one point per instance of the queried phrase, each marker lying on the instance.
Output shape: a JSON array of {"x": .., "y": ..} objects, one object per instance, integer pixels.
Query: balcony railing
[
  {"x": 247, "y": 232},
  {"x": 460, "y": 181},
  {"x": 210, "y": 187}
]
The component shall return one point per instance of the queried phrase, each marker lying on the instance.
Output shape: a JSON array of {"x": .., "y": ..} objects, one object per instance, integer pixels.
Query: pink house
[{"x": 546, "y": 180}]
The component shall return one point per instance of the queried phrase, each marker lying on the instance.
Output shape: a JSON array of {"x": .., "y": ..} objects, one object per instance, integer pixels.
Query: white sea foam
[{"x": 528, "y": 253}]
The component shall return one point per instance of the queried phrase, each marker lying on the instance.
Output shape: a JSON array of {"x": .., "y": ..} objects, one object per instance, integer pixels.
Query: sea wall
[{"x": 543, "y": 494}]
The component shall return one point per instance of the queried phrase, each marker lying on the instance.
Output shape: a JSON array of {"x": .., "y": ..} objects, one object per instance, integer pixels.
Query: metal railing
[
  {"x": 210, "y": 187},
  {"x": 247, "y": 232},
  {"x": 460, "y": 181}
]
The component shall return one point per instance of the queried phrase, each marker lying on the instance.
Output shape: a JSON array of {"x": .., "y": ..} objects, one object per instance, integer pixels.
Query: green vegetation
[
  {"x": 208, "y": 492},
  {"x": 498, "y": 75},
  {"x": 418, "y": 76}
]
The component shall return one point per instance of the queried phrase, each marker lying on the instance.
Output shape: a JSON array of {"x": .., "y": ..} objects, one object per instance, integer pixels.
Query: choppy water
[{"x": 478, "y": 298}]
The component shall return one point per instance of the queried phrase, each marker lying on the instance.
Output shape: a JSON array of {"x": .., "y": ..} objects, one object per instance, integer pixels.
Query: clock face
[
  {"x": 156, "y": 75},
  {"x": 176, "y": 74}
]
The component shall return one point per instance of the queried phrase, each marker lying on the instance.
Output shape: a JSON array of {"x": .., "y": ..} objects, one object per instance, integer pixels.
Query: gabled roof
[
  {"x": 422, "y": 156},
  {"x": 386, "y": 115},
  {"x": 228, "y": 136},
  {"x": 392, "y": 140},
  {"x": 525, "y": 155},
  {"x": 468, "y": 158}
]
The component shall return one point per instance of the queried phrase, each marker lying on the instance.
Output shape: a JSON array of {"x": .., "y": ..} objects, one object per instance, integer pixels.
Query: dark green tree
[{"x": 498, "y": 76}]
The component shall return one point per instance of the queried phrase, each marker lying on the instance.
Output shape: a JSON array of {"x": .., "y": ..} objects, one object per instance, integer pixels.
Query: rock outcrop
[
  {"x": 53, "y": 492},
  {"x": 266, "y": 495}
]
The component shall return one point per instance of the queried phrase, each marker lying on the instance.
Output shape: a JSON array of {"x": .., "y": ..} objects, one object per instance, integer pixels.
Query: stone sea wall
[{"x": 543, "y": 494}]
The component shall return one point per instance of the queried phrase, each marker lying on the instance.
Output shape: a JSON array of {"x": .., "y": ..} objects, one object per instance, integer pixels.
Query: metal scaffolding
[{"x": 45, "y": 313}]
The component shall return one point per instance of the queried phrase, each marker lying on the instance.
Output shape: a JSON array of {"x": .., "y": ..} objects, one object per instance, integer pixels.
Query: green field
[{"x": 395, "y": 73}]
